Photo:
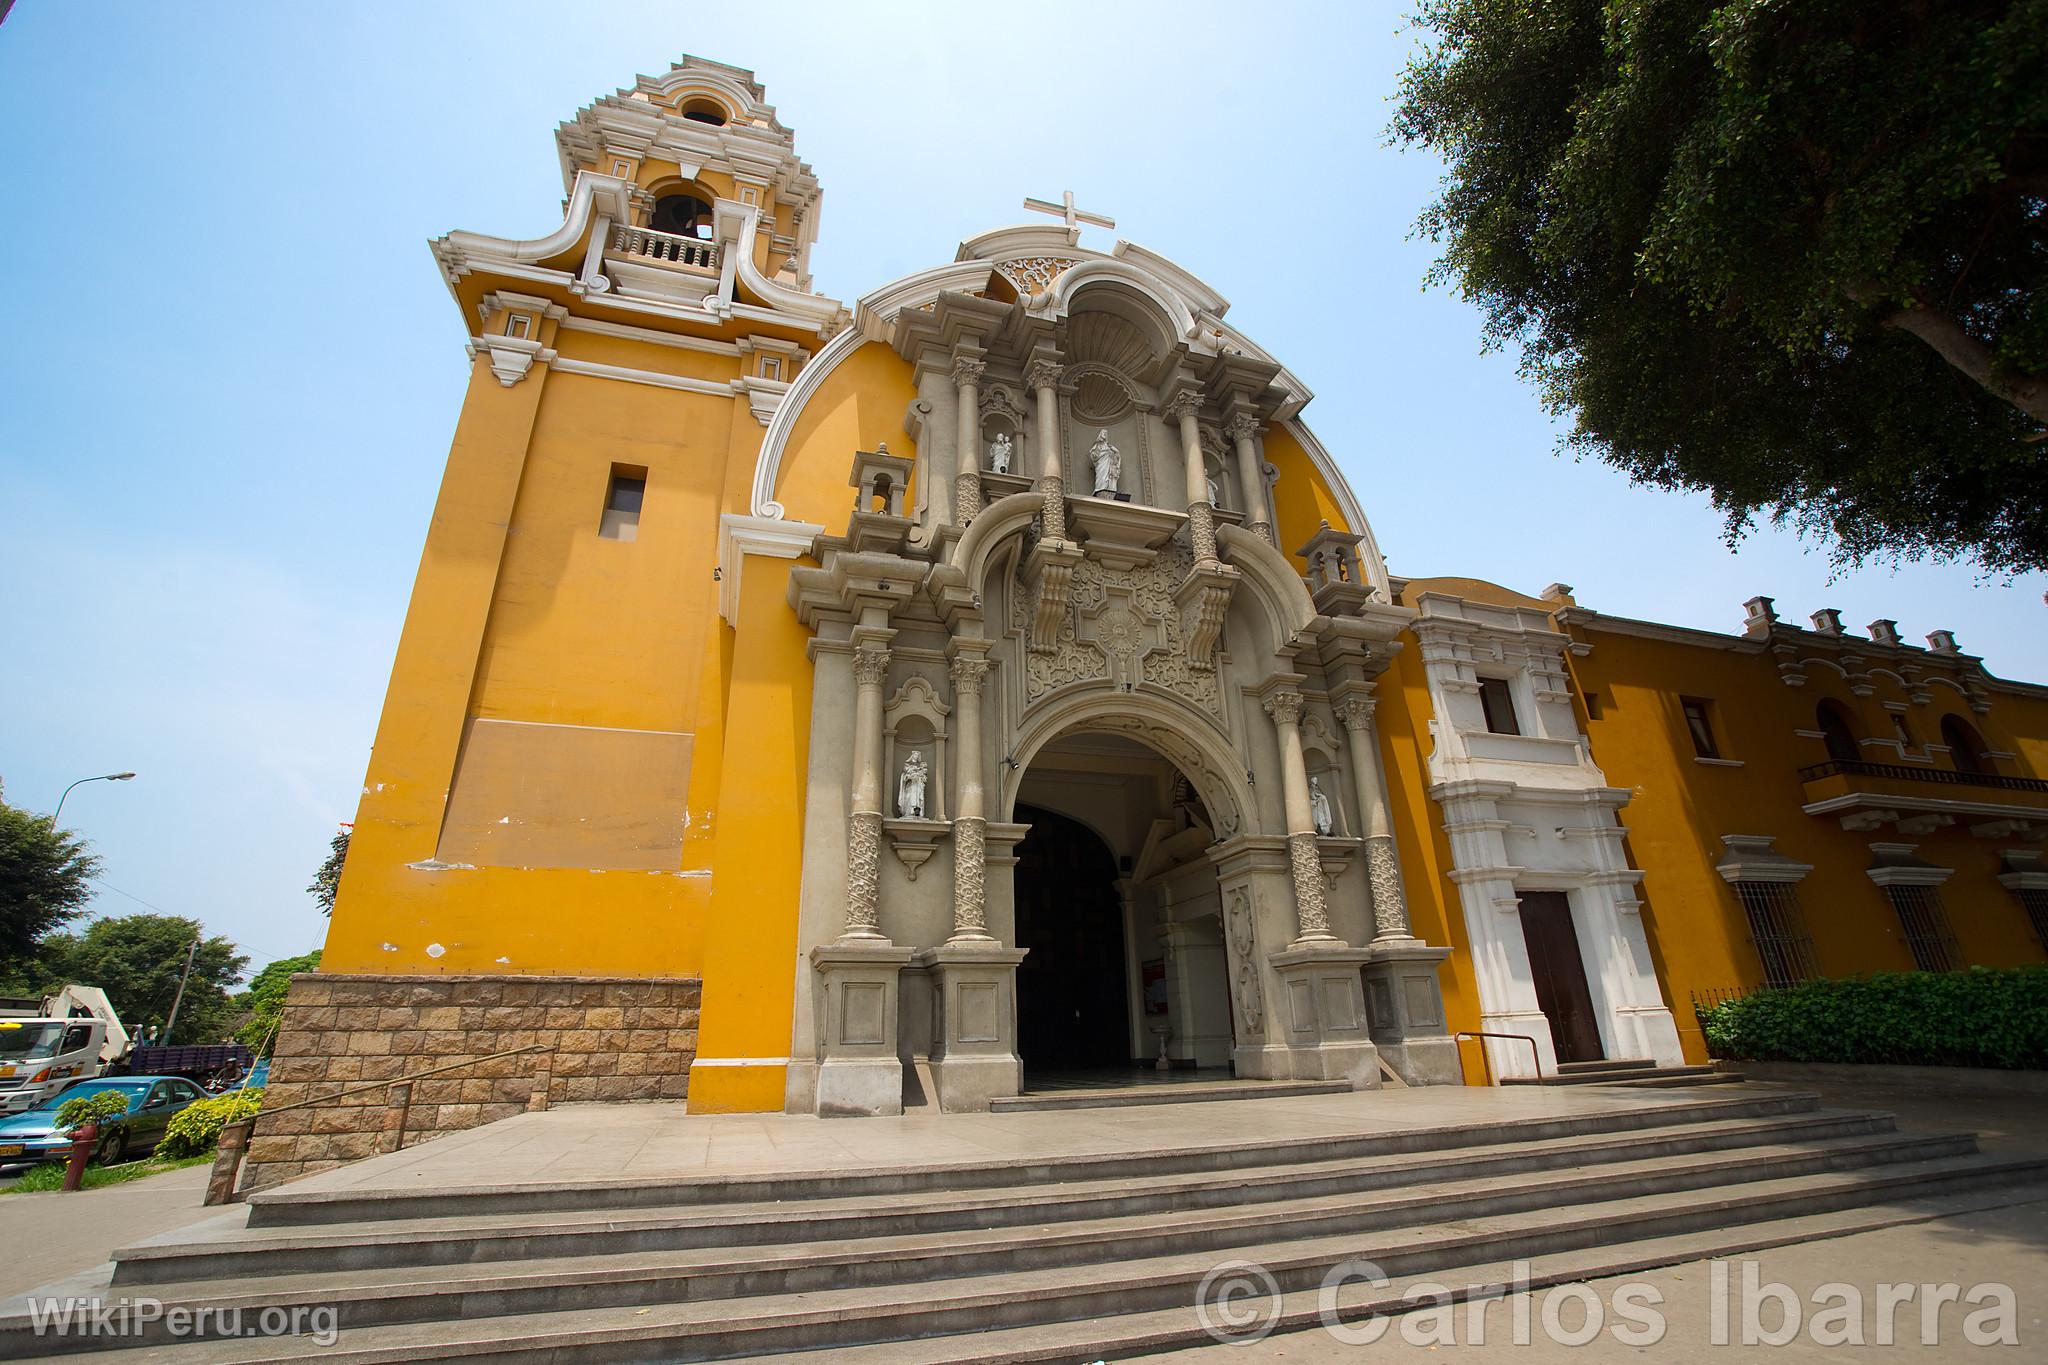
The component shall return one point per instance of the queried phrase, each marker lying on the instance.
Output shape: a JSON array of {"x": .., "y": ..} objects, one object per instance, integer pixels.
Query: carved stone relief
[
  {"x": 1244, "y": 967},
  {"x": 1122, "y": 627}
]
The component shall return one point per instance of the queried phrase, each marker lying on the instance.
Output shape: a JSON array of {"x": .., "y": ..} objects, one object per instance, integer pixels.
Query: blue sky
[{"x": 231, "y": 371}]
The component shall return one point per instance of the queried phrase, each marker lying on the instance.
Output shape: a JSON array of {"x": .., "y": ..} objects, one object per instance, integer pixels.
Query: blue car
[{"x": 152, "y": 1100}]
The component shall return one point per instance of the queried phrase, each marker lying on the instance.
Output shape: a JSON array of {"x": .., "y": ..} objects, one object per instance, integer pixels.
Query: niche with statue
[
  {"x": 1005, "y": 454},
  {"x": 914, "y": 764}
]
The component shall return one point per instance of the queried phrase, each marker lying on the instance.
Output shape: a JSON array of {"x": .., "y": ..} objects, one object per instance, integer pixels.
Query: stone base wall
[{"x": 613, "y": 1038}]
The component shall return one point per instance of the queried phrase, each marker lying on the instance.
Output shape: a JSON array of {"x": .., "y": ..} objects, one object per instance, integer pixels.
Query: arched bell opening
[{"x": 1119, "y": 909}]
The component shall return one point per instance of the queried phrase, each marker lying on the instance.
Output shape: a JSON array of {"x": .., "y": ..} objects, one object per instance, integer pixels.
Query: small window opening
[
  {"x": 621, "y": 520},
  {"x": 685, "y": 215},
  {"x": 1699, "y": 722},
  {"x": 520, "y": 326},
  {"x": 1965, "y": 745},
  {"x": 1837, "y": 733},
  {"x": 704, "y": 111},
  {"x": 621, "y": 169},
  {"x": 771, "y": 367},
  {"x": 1499, "y": 705},
  {"x": 1592, "y": 700}
]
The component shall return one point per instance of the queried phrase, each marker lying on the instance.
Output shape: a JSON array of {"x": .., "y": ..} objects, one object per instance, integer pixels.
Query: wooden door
[{"x": 1560, "y": 972}]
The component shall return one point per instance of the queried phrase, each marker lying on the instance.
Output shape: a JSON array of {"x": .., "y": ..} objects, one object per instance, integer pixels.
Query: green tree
[
  {"x": 264, "y": 998},
  {"x": 1789, "y": 254},
  {"x": 137, "y": 959},
  {"x": 328, "y": 879},
  {"x": 45, "y": 883}
]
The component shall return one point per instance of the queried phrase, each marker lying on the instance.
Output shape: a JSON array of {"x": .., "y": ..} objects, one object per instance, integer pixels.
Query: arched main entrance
[{"x": 1120, "y": 910}]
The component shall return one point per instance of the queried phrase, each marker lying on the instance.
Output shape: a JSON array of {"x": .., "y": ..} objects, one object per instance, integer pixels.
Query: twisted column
[
  {"x": 970, "y": 825},
  {"x": 1044, "y": 378},
  {"x": 967, "y": 372},
  {"x": 1311, "y": 906},
  {"x": 1389, "y": 903},
  {"x": 1201, "y": 516},
  {"x": 864, "y": 825},
  {"x": 1251, "y": 474}
]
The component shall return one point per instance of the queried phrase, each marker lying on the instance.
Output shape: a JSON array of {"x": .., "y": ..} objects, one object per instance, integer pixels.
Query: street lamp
[{"x": 104, "y": 777}]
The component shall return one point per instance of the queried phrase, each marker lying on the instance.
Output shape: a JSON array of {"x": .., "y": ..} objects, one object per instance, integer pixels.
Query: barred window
[
  {"x": 1925, "y": 922},
  {"x": 1778, "y": 930},
  {"x": 2034, "y": 900}
]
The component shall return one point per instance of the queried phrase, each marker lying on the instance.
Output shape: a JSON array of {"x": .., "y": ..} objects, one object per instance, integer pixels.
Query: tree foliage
[
  {"x": 264, "y": 999},
  {"x": 195, "y": 1130},
  {"x": 1786, "y": 252},
  {"x": 45, "y": 880},
  {"x": 97, "y": 1107},
  {"x": 137, "y": 959},
  {"x": 327, "y": 880}
]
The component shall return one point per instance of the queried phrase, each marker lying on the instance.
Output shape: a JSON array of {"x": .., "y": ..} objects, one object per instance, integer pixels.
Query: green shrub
[
  {"x": 193, "y": 1131},
  {"x": 1986, "y": 1016},
  {"x": 97, "y": 1107}
]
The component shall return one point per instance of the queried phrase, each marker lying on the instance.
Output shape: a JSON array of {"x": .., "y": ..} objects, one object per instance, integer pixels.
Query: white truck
[{"x": 47, "y": 1044}]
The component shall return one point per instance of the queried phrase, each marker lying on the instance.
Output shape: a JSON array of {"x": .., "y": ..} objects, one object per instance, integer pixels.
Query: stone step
[
  {"x": 383, "y": 1297},
  {"x": 840, "y": 1318},
  {"x": 1666, "y": 1075},
  {"x": 1189, "y": 1092},
  {"x": 286, "y": 1206},
  {"x": 224, "y": 1248},
  {"x": 1616, "y": 1064},
  {"x": 1138, "y": 1334}
]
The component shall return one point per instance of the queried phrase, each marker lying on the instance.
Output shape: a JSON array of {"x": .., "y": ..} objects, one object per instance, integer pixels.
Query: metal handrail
[
  {"x": 1904, "y": 772},
  {"x": 234, "y": 1137},
  {"x": 1486, "y": 1064}
]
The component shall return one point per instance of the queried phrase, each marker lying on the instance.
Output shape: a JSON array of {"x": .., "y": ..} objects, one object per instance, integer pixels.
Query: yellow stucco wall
[{"x": 1682, "y": 807}]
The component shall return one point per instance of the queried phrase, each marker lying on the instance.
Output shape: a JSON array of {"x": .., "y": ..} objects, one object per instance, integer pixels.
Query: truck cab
[{"x": 39, "y": 1057}]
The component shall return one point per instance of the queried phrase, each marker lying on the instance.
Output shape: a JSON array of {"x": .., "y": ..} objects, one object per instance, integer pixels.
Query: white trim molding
[
  {"x": 767, "y": 537},
  {"x": 1895, "y": 865},
  {"x": 1750, "y": 858}
]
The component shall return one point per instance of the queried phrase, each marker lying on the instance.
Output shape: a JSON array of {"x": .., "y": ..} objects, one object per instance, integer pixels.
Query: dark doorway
[
  {"x": 1561, "y": 990},
  {"x": 1071, "y": 1006}
]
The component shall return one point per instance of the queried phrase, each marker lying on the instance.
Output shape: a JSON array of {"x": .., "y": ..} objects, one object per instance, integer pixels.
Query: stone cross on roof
[{"x": 1065, "y": 209}]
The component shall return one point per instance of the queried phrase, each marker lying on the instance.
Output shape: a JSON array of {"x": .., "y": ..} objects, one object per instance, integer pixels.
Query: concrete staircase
[
  {"x": 1636, "y": 1071},
  {"x": 1079, "y": 1256}
]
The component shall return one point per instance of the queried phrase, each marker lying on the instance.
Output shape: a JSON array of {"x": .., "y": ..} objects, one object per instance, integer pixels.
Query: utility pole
[{"x": 179, "y": 998}]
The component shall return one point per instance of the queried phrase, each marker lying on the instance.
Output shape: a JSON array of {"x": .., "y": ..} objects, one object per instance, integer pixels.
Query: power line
[{"x": 240, "y": 943}]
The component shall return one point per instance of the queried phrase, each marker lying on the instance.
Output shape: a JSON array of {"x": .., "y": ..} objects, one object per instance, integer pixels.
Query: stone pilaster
[
  {"x": 1182, "y": 408},
  {"x": 1312, "y": 914},
  {"x": 970, "y": 823},
  {"x": 1242, "y": 429},
  {"x": 1044, "y": 378},
  {"x": 967, "y": 372},
  {"x": 864, "y": 822},
  {"x": 1383, "y": 871}
]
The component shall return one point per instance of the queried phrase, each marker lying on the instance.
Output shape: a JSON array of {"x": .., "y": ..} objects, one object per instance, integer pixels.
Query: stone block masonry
[{"x": 614, "y": 1038}]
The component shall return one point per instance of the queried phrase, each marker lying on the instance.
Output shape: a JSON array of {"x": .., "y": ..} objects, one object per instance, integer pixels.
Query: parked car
[{"x": 152, "y": 1100}]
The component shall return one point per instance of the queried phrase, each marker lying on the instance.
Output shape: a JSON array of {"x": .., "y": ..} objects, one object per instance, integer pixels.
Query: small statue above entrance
[
  {"x": 1319, "y": 807},
  {"x": 910, "y": 785},
  {"x": 1108, "y": 462},
  {"x": 999, "y": 453}
]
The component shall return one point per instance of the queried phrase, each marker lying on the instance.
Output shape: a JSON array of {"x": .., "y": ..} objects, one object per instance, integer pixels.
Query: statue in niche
[
  {"x": 1108, "y": 462},
  {"x": 910, "y": 785},
  {"x": 1319, "y": 807},
  {"x": 1215, "y": 498},
  {"x": 999, "y": 453}
]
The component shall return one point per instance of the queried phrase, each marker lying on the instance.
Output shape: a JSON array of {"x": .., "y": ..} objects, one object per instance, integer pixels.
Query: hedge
[
  {"x": 195, "y": 1129},
  {"x": 1985, "y": 1017}
]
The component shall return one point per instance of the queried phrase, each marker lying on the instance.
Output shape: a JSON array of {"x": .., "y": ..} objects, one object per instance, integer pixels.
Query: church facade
[{"x": 829, "y": 709}]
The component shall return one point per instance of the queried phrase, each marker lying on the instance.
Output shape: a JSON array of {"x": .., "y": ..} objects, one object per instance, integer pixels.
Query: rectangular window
[
  {"x": 1699, "y": 722},
  {"x": 621, "y": 520},
  {"x": 1925, "y": 923},
  {"x": 1777, "y": 928},
  {"x": 2034, "y": 901},
  {"x": 621, "y": 169},
  {"x": 771, "y": 367},
  {"x": 1499, "y": 705},
  {"x": 519, "y": 326},
  {"x": 1592, "y": 700}
]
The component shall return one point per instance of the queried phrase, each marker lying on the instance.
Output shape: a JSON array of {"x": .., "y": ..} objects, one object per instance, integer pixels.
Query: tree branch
[{"x": 1967, "y": 354}]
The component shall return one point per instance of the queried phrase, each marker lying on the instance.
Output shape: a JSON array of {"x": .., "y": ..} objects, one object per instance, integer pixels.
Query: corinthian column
[
  {"x": 967, "y": 373},
  {"x": 1201, "y": 516},
  {"x": 1389, "y": 905},
  {"x": 864, "y": 827},
  {"x": 1312, "y": 913},
  {"x": 970, "y": 825},
  {"x": 1251, "y": 474},
  {"x": 1052, "y": 479}
]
